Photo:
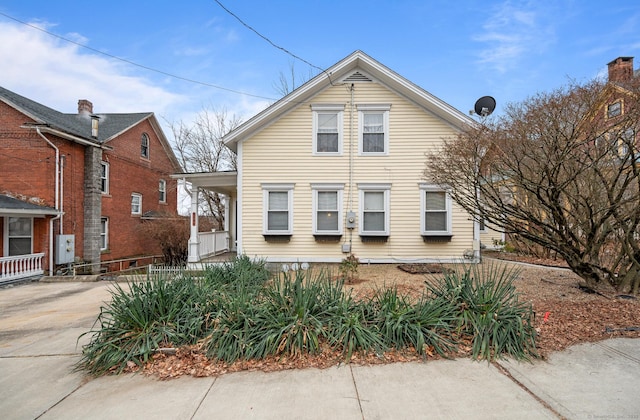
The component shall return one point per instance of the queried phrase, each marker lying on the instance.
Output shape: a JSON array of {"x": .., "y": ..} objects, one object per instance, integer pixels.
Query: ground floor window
[
  {"x": 104, "y": 233},
  {"x": 19, "y": 236}
]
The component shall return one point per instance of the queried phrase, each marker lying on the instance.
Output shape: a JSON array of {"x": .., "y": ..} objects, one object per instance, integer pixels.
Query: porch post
[{"x": 194, "y": 255}]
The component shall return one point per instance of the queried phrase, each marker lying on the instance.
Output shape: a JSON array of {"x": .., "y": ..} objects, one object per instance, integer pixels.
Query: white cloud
[
  {"x": 57, "y": 73},
  {"x": 511, "y": 33}
]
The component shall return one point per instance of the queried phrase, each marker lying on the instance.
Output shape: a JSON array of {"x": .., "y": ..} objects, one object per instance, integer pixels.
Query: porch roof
[
  {"x": 10, "y": 206},
  {"x": 221, "y": 182}
]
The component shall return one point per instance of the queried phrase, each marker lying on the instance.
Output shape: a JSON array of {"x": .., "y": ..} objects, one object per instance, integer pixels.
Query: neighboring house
[
  {"x": 80, "y": 184},
  {"x": 336, "y": 167}
]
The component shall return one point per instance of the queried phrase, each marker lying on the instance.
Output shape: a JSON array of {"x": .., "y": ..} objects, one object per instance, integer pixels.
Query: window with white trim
[
  {"x": 374, "y": 209},
  {"x": 327, "y": 129},
  {"x": 144, "y": 145},
  {"x": 19, "y": 234},
  {"x": 278, "y": 209},
  {"x": 162, "y": 191},
  {"x": 436, "y": 211},
  {"x": 327, "y": 209},
  {"x": 104, "y": 233},
  {"x": 373, "y": 129},
  {"x": 136, "y": 203},
  {"x": 104, "y": 177},
  {"x": 614, "y": 109}
]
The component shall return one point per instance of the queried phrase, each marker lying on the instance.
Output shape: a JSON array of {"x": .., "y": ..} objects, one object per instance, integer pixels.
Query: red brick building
[{"x": 79, "y": 185}]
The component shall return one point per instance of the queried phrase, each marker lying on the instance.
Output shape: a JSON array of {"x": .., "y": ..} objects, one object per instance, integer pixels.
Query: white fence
[
  {"x": 21, "y": 266},
  {"x": 212, "y": 243}
]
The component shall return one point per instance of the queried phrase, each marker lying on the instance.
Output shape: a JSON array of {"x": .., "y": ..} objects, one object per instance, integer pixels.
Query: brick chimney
[
  {"x": 621, "y": 69},
  {"x": 85, "y": 107}
]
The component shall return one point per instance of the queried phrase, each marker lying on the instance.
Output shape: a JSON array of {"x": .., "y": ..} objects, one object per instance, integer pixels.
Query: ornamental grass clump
[
  {"x": 422, "y": 325},
  {"x": 488, "y": 310}
]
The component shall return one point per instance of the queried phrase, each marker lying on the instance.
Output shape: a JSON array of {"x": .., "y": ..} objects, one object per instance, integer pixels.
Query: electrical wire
[
  {"x": 133, "y": 63},
  {"x": 273, "y": 43}
]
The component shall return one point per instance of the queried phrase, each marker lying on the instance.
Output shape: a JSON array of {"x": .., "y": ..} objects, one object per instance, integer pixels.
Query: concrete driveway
[{"x": 41, "y": 322}]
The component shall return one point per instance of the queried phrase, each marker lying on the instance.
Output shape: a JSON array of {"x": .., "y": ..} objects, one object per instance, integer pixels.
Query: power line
[
  {"x": 134, "y": 63},
  {"x": 267, "y": 39}
]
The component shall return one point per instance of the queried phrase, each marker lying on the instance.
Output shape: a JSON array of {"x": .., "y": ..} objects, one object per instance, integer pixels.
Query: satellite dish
[{"x": 485, "y": 106}]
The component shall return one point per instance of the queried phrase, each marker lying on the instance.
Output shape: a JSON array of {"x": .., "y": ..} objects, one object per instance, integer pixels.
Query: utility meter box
[
  {"x": 351, "y": 220},
  {"x": 65, "y": 249}
]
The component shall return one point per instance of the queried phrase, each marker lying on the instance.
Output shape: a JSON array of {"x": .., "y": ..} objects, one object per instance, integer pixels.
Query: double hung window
[
  {"x": 327, "y": 129},
  {"x": 373, "y": 127},
  {"x": 278, "y": 209},
  {"x": 104, "y": 177},
  {"x": 19, "y": 236},
  {"x": 162, "y": 191},
  {"x": 436, "y": 211},
  {"x": 327, "y": 208},
  {"x": 136, "y": 203},
  {"x": 104, "y": 233},
  {"x": 374, "y": 209}
]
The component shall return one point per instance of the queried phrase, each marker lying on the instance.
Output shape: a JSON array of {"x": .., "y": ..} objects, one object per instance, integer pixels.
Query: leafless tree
[
  {"x": 199, "y": 148},
  {"x": 557, "y": 171},
  {"x": 287, "y": 83}
]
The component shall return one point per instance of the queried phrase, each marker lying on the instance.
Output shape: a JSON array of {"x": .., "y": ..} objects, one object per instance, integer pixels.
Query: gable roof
[
  {"x": 74, "y": 125},
  {"x": 356, "y": 67},
  {"x": 10, "y": 205},
  {"x": 77, "y": 127}
]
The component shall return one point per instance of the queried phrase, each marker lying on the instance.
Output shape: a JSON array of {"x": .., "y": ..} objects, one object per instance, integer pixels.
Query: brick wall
[{"x": 27, "y": 170}]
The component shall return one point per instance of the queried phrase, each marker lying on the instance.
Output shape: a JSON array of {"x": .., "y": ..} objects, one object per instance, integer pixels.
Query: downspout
[{"x": 57, "y": 199}]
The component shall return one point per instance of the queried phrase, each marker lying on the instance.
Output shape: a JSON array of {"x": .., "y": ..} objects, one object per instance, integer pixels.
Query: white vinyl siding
[
  {"x": 278, "y": 209},
  {"x": 278, "y": 154},
  {"x": 327, "y": 209},
  {"x": 327, "y": 129}
]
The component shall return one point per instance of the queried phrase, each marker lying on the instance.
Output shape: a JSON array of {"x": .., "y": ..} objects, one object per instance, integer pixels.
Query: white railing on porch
[
  {"x": 21, "y": 266},
  {"x": 212, "y": 243}
]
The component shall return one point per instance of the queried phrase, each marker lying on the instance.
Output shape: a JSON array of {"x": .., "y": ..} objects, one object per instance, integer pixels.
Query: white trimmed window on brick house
[{"x": 136, "y": 203}]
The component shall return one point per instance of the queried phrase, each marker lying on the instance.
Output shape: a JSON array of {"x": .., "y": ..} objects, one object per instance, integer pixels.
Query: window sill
[
  {"x": 276, "y": 238},
  {"x": 436, "y": 238},
  {"x": 327, "y": 238},
  {"x": 374, "y": 238}
]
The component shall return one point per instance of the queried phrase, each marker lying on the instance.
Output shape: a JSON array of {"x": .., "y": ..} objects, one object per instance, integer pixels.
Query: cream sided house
[{"x": 336, "y": 168}]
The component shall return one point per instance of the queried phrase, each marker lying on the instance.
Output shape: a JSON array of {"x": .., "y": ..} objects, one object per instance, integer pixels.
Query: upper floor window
[
  {"x": 104, "y": 177},
  {"x": 144, "y": 145},
  {"x": 136, "y": 203},
  {"x": 162, "y": 191},
  {"x": 327, "y": 209},
  {"x": 327, "y": 129},
  {"x": 374, "y": 209},
  {"x": 373, "y": 129},
  {"x": 436, "y": 211},
  {"x": 614, "y": 109},
  {"x": 104, "y": 233},
  {"x": 278, "y": 209}
]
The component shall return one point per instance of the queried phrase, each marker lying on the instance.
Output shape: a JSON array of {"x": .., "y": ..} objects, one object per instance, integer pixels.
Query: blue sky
[{"x": 456, "y": 50}]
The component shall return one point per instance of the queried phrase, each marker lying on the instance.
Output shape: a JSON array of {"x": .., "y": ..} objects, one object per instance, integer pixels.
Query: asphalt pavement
[{"x": 40, "y": 324}]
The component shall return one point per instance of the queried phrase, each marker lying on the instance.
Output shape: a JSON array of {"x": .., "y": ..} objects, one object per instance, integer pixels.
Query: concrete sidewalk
[{"x": 40, "y": 323}]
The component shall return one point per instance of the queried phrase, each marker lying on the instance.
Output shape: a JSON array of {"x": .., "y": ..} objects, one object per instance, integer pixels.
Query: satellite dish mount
[{"x": 484, "y": 106}]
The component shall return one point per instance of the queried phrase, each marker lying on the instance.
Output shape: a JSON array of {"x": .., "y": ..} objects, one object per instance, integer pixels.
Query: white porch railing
[
  {"x": 21, "y": 266},
  {"x": 212, "y": 243}
]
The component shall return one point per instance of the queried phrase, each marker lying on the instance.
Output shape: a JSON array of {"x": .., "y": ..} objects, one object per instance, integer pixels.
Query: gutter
[{"x": 57, "y": 200}]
